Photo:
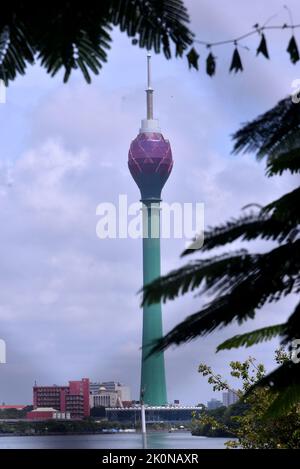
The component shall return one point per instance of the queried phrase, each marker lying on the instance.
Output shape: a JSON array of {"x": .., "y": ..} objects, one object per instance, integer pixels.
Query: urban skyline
[{"x": 93, "y": 390}]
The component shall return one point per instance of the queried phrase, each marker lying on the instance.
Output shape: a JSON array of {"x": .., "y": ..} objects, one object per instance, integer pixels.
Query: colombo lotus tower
[{"x": 150, "y": 163}]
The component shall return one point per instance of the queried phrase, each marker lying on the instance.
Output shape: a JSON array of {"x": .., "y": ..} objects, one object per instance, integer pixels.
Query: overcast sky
[{"x": 68, "y": 302}]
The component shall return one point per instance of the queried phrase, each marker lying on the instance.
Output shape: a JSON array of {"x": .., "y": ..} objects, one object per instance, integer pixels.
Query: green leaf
[
  {"x": 273, "y": 132},
  {"x": 50, "y": 33},
  {"x": 84, "y": 70},
  {"x": 191, "y": 276},
  {"x": 286, "y": 209},
  {"x": 254, "y": 337},
  {"x": 275, "y": 221},
  {"x": 288, "y": 161},
  {"x": 292, "y": 49},
  {"x": 4, "y": 43}
]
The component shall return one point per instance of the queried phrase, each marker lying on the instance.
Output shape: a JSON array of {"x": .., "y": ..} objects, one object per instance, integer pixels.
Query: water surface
[{"x": 160, "y": 440}]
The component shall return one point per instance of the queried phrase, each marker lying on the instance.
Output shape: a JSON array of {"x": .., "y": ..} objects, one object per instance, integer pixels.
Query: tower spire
[
  {"x": 149, "y": 90},
  {"x": 149, "y": 124}
]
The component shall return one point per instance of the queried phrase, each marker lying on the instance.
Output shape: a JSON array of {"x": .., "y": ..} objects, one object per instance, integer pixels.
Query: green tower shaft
[
  {"x": 153, "y": 380},
  {"x": 150, "y": 163}
]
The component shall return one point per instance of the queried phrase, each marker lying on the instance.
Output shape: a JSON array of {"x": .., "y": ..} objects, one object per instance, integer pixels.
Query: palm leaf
[
  {"x": 50, "y": 33},
  {"x": 248, "y": 282},
  {"x": 275, "y": 221},
  {"x": 191, "y": 276},
  {"x": 262, "y": 135},
  {"x": 254, "y": 337},
  {"x": 287, "y": 161}
]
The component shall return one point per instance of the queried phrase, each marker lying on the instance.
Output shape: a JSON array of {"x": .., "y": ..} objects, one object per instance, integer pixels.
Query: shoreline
[{"x": 93, "y": 433}]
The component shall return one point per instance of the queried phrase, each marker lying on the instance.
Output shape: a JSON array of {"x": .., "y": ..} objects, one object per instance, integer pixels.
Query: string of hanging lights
[{"x": 236, "y": 61}]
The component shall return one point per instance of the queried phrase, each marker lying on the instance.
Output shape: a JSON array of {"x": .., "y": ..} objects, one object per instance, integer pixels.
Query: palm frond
[
  {"x": 15, "y": 51},
  {"x": 286, "y": 208},
  {"x": 69, "y": 36},
  {"x": 287, "y": 161},
  {"x": 216, "y": 315},
  {"x": 289, "y": 141},
  {"x": 262, "y": 135},
  {"x": 240, "y": 290},
  {"x": 275, "y": 221},
  {"x": 269, "y": 275},
  {"x": 254, "y": 337},
  {"x": 191, "y": 276}
]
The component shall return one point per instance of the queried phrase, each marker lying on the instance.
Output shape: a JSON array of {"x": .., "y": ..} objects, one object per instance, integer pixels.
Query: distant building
[
  {"x": 124, "y": 391},
  {"x": 214, "y": 404},
  {"x": 94, "y": 387},
  {"x": 116, "y": 393},
  {"x": 230, "y": 397},
  {"x": 47, "y": 413},
  {"x": 73, "y": 398},
  {"x": 8, "y": 407},
  {"x": 154, "y": 414},
  {"x": 106, "y": 398}
]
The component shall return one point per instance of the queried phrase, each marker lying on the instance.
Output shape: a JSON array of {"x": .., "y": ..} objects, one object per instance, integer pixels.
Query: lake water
[{"x": 162, "y": 440}]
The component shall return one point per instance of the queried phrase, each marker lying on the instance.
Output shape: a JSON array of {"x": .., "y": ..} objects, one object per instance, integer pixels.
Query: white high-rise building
[{"x": 230, "y": 397}]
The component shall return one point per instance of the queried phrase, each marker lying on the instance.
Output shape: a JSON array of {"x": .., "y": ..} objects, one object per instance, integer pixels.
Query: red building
[
  {"x": 8, "y": 407},
  {"x": 73, "y": 398},
  {"x": 41, "y": 414}
]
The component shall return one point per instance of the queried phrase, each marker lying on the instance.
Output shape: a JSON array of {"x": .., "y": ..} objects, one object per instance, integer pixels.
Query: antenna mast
[
  {"x": 149, "y": 90},
  {"x": 149, "y": 125}
]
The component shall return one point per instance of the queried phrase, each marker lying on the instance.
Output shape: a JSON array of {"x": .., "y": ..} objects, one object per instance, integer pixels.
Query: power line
[
  {"x": 236, "y": 62},
  {"x": 258, "y": 30}
]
